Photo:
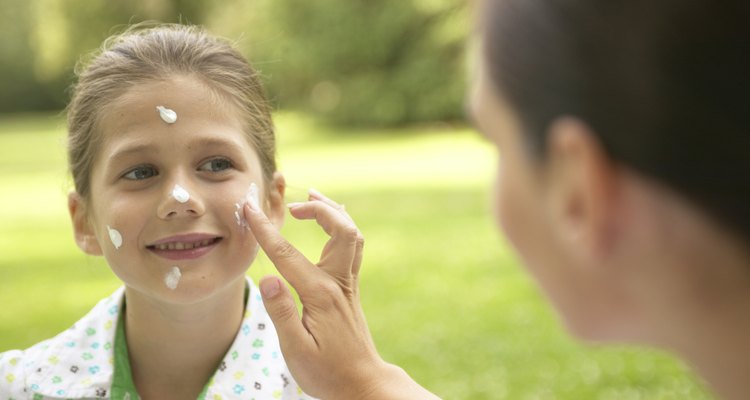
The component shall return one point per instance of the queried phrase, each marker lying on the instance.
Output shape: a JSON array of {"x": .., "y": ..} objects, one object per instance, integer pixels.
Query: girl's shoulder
[{"x": 75, "y": 363}]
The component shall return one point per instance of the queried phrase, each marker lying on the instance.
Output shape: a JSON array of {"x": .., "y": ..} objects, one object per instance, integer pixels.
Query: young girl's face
[{"x": 169, "y": 191}]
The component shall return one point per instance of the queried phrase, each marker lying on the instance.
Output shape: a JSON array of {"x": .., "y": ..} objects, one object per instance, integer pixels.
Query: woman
[{"x": 623, "y": 186}]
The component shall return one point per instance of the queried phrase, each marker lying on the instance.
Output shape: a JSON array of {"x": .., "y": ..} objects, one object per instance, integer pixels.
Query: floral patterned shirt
[{"x": 80, "y": 362}]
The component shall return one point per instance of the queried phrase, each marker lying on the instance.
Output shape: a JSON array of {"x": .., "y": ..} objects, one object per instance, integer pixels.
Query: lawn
[{"x": 444, "y": 295}]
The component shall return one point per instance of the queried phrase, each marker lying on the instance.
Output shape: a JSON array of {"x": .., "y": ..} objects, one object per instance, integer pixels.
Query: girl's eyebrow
[
  {"x": 127, "y": 150},
  {"x": 213, "y": 141}
]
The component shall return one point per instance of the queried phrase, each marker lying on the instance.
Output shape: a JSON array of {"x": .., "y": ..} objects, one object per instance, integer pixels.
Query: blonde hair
[{"x": 148, "y": 53}]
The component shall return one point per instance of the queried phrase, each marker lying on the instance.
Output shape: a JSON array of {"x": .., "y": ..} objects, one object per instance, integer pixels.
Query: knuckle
[
  {"x": 327, "y": 289},
  {"x": 284, "y": 250},
  {"x": 286, "y": 311},
  {"x": 360, "y": 240},
  {"x": 350, "y": 231}
]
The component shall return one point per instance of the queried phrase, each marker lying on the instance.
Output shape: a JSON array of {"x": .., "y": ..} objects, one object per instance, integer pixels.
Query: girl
[
  {"x": 169, "y": 134},
  {"x": 623, "y": 185}
]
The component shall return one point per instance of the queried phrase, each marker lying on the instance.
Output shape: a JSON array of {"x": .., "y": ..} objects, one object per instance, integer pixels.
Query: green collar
[{"x": 122, "y": 382}]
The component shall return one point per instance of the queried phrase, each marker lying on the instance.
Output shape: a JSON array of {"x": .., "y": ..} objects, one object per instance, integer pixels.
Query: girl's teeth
[{"x": 183, "y": 246}]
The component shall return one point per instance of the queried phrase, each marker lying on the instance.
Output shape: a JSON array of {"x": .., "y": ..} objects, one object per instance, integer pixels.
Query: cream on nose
[{"x": 180, "y": 194}]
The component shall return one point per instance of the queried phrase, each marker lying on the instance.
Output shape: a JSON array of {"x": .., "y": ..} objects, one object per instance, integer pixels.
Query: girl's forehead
[
  {"x": 195, "y": 111},
  {"x": 190, "y": 99}
]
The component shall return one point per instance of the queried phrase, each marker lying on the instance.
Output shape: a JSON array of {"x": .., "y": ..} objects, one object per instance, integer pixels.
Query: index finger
[{"x": 292, "y": 265}]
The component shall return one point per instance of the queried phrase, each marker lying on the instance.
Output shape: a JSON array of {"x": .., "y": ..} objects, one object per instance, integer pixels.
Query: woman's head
[
  {"x": 663, "y": 86},
  {"x": 622, "y": 126},
  {"x": 142, "y": 55}
]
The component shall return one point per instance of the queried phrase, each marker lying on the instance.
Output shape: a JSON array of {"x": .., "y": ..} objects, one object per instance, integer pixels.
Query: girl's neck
[{"x": 174, "y": 349}]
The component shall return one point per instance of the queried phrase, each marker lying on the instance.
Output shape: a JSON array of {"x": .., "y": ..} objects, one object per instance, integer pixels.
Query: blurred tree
[
  {"x": 357, "y": 62},
  {"x": 43, "y": 39},
  {"x": 379, "y": 62}
]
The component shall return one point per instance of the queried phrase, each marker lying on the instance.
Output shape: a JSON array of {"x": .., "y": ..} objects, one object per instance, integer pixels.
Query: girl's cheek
[{"x": 119, "y": 225}]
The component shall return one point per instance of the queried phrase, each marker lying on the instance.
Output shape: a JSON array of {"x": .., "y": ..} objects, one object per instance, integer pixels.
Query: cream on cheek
[
  {"x": 251, "y": 196},
  {"x": 115, "y": 237}
]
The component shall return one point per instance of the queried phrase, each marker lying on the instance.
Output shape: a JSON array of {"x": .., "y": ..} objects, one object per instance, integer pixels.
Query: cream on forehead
[
  {"x": 115, "y": 237},
  {"x": 250, "y": 196},
  {"x": 180, "y": 194},
  {"x": 167, "y": 115},
  {"x": 173, "y": 278}
]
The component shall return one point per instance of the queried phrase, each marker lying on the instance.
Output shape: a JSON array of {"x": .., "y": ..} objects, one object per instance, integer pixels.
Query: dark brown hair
[{"x": 664, "y": 84}]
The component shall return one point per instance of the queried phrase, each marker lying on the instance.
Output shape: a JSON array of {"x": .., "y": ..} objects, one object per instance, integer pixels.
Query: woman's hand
[{"x": 328, "y": 349}]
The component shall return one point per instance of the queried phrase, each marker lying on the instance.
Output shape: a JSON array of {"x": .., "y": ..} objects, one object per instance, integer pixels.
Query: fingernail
[
  {"x": 314, "y": 192},
  {"x": 270, "y": 288},
  {"x": 293, "y": 205},
  {"x": 253, "y": 203}
]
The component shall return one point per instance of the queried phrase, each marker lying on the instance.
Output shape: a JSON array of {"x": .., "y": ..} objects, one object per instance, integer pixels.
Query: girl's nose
[{"x": 180, "y": 201}]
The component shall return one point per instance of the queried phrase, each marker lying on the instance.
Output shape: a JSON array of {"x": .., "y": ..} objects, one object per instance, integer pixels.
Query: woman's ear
[
  {"x": 585, "y": 188},
  {"x": 276, "y": 206},
  {"x": 85, "y": 235}
]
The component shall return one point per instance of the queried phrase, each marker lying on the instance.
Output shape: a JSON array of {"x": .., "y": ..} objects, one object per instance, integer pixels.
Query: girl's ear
[
  {"x": 276, "y": 206},
  {"x": 85, "y": 235}
]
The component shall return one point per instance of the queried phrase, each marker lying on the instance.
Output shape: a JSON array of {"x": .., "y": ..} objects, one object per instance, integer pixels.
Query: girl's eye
[
  {"x": 216, "y": 165},
  {"x": 139, "y": 173}
]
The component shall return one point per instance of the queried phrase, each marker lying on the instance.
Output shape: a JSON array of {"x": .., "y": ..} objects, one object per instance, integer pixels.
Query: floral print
[{"x": 79, "y": 363}]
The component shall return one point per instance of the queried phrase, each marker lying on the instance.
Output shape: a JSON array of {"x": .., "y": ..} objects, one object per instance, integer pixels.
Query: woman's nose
[{"x": 179, "y": 201}]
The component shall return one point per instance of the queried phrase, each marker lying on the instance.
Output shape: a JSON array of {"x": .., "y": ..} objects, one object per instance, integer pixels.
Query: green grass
[{"x": 444, "y": 296}]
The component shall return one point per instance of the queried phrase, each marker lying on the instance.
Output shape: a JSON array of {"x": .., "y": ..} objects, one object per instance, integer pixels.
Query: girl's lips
[{"x": 184, "y": 247}]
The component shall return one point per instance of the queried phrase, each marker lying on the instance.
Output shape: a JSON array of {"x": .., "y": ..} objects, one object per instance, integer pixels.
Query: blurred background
[{"x": 369, "y": 99}]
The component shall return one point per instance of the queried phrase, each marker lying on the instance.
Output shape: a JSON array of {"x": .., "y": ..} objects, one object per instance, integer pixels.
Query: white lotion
[
  {"x": 167, "y": 115},
  {"x": 115, "y": 237},
  {"x": 180, "y": 194},
  {"x": 250, "y": 196},
  {"x": 173, "y": 278}
]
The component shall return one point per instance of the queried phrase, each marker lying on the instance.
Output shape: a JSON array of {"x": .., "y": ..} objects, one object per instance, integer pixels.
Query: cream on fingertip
[
  {"x": 252, "y": 197},
  {"x": 294, "y": 205}
]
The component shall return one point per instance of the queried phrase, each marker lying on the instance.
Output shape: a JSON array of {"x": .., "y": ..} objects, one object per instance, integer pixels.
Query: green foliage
[
  {"x": 444, "y": 296},
  {"x": 354, "y": 62},
  {"x": 43, "y": 39},
  {"x": 362, "y": 62}
]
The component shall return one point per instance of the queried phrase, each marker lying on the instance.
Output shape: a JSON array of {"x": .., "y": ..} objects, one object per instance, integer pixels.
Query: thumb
[{"x": 283, "y": 312}]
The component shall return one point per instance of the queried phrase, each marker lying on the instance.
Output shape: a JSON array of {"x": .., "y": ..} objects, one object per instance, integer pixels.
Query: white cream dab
[
  {"x": 180, "y": 194},
  {"x": 167, "y": 115},
  {"x": 250, "y": 195},
  {"x": 173, "y": 278},
  {"x": 115, "y": 237}
]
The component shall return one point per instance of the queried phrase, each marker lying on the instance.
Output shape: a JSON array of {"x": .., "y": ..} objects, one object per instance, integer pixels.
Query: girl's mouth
[{"x": 185, "y": 247}]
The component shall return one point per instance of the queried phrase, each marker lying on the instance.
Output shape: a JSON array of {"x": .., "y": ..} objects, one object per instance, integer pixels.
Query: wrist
[{"x": 391, "y": 382}]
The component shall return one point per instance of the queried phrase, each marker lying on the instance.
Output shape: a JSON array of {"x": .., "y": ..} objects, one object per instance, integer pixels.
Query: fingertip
[
  {"x": 270, "y": 286},
  {"x": 315, "y": 194}
]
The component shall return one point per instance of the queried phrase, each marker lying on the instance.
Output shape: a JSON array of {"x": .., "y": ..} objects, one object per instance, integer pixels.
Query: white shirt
[{"x": 79, "y": 363}]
